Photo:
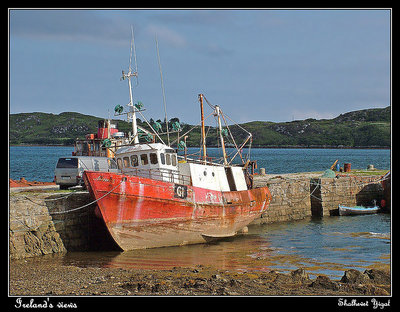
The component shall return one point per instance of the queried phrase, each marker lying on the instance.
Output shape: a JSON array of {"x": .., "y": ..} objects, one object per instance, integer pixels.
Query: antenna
[
  {"x": 130, "y": 54},
  {"x": 162, "y": 88},
  {"x": 132, "y": 113},
  {"x": 134, "y": 55}
]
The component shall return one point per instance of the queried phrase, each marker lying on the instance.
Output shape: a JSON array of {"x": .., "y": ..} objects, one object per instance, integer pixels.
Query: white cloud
[{"x": 166, "y": 34}]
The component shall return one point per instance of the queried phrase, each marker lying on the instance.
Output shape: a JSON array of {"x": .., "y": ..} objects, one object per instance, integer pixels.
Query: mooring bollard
[{"x": 347, "y": 167}]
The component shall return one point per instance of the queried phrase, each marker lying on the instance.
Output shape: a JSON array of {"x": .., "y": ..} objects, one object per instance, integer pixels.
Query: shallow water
[{"x": 326, "y": 246}]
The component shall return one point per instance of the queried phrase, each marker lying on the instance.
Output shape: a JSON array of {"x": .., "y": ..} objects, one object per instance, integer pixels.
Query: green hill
[{"x": 363, "y": 128}]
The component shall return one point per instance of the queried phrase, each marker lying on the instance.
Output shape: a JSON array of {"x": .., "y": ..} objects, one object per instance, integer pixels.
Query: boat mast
[
  {"x": 203, "y": 131},
  {"x": 132, "y": 113},
  {"x": 220, "y": 134}
]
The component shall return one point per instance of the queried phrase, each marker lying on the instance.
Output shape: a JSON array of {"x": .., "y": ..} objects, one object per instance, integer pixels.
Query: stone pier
[
  {"x": 45, "y": 222},
  {"x": 328, "y": 193},
  {"x": 290, "y": 199},
  {"x": 298, "y": 196}
]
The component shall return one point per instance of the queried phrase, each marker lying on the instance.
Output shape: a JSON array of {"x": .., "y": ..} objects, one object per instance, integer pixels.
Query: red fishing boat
[{"x": 161, "y": 199}]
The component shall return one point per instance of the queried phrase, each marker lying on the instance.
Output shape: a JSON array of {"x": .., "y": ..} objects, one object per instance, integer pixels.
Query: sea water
[{"x": 38, "y": 162}]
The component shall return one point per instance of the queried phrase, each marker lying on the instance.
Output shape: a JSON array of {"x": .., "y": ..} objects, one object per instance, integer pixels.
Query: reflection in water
[
  {"x": 327, "y": 245},
  {"x": 230, "y": 254}
]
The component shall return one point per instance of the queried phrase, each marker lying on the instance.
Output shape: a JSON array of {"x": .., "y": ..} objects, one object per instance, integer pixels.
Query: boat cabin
[
  {"x": 151, "y": 160},
  {"x": 107, "y": 140},
  {"x": 160, "y": 162},
  {"x": 214, "y": 177}
]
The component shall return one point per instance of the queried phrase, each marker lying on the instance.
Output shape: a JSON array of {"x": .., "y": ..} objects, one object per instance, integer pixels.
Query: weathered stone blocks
[{"x": 328, "y": 193}]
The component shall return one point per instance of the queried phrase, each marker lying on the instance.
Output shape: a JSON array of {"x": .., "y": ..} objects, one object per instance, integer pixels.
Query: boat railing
[
  {"x": 161, "y": 174},
  {"x": 212, "y": 161}
]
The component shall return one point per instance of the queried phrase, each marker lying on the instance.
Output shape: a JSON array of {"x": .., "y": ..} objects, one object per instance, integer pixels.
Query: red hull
[{"x": 146, "y": 213}]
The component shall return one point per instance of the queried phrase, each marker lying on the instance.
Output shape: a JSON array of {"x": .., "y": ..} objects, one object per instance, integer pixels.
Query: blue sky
[{"x": 269, "y": 65}]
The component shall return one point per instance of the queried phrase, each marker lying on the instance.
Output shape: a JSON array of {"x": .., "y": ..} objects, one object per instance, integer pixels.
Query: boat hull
[
  {"x": 145, "y": 213},
  {"x": 349, "y": 211}
]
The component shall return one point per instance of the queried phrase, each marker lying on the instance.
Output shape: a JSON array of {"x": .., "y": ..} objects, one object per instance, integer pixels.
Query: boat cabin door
[{"x": 231, "y": 180}]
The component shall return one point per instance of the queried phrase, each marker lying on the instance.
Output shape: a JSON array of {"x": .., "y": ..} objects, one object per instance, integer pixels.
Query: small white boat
[{"x": 357, "y": 210}]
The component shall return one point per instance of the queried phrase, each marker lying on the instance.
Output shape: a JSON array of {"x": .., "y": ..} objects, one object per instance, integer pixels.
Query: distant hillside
[{"x": 363, "y": 128}]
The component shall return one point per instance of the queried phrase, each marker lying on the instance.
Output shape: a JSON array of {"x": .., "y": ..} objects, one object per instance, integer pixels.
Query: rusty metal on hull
[{"x": 144, "y": 213}]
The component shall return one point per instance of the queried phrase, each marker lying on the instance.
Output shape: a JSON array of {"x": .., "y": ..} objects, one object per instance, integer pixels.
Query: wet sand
[{"x": 45, "y": 277}]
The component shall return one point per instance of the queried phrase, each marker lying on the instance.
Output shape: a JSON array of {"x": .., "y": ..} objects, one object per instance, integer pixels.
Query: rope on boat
[
  {"x": 51, "y": 199},
  {"x": 74, "y": 209},
  {"x": 57, "y": 212}
]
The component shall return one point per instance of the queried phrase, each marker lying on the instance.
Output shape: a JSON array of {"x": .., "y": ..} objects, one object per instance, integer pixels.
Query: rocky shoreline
[{"x": 38, "y": 277}]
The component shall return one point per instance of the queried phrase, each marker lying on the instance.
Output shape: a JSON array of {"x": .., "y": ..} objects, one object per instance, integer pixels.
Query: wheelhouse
[{"x": 152, "y": 160}]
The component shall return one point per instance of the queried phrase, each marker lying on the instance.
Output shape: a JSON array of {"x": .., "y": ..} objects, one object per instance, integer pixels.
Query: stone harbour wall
[
  {"x": 328, "y": 193},
  {"x": 76, "y": 221},
  {"x": 31, "y": 229},
  {"x": 295, "y": 198},
  {"x": 44, "y": 223},
  {"x": 290, "y": 199}
]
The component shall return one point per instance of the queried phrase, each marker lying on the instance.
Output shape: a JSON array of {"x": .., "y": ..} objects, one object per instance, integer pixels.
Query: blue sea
[
  {"x": 38, "y": 162},
  {"x": 327, "y": 245}
]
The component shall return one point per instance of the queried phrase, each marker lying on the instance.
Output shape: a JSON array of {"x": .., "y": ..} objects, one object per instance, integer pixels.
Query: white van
[{"x": 69, "y": 170}]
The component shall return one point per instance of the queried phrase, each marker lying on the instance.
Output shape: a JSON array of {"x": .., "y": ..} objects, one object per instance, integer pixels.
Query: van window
[
  {"x": 86, "y": 163},
  {"x": 119, "y": 163},
  {"x": 144, "y": 160},
  {"x": 173, "y": 157},
  {"x": 67, "y": 163},
  {"x": 126, "y": 162},
  {"x": 162, "y": 158},
  {"x": 111, "y": 164},
  {"x": 153, "y": 158},
  {"x": 96, "y": 165},
  {"x": 134, "y": 161},
  {"x": 168, "y": 156}
]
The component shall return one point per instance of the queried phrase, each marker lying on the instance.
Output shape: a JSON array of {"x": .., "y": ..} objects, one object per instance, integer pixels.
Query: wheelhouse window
[
  {"x": 126, "y": 162},
  {"x": 111, "y": 164},
  {"x": 162, "y": 158},
  {"x": 153, "y": 158},
  {"x": 134, "y": 161},
  {"x": 170, "y": 159},
  {"x": 119, "y": 163},
  {"x": 144, "y": 160}
]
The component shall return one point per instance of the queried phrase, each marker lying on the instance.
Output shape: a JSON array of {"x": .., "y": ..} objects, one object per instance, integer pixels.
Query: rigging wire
[{"x": 162, "y": 87}]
